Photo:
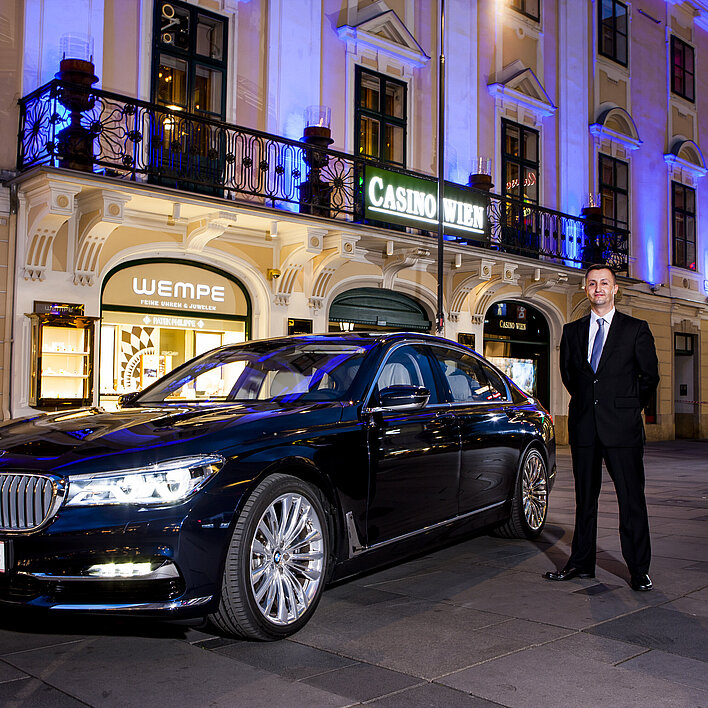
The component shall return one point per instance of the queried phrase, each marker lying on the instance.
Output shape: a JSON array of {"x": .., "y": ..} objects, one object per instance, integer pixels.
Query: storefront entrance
[
  {"x": 376, "y": 310},
  {"x": 158, "y": 314},
  {"x": 516, "y": 339}
]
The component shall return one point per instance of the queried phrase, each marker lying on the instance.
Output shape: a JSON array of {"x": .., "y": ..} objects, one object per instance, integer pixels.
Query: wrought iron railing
[{"x": 65, "y": 125}]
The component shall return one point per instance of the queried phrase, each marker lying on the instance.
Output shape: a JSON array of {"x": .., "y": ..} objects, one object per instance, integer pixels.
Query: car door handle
[{"x": 445, "y": 416}]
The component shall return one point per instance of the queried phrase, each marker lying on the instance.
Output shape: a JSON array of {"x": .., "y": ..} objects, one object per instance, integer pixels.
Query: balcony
[{"x": 69, "y": 126}]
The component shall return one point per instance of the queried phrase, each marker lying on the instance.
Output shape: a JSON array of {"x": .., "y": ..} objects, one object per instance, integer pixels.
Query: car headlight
[{"x": 164, "y": 483}]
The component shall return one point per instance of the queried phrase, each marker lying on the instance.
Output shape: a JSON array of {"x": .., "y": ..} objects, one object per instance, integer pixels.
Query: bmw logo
[{"x": 277, "y": 556}]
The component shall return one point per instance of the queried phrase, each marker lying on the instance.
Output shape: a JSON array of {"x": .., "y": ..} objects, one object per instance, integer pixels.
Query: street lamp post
[{"x": 440, "y": 316}]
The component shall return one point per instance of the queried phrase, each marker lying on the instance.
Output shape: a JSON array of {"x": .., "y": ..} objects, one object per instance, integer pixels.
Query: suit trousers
[{"x": 625, "y": 466}]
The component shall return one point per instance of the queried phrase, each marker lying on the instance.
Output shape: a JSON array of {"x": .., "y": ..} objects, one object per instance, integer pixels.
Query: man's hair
[{"x": 600, "y": 266}]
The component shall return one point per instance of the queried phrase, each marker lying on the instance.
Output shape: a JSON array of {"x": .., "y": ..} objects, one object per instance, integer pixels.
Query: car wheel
[
  {"x": 529, "y": 506},
  {"x": 276, "y": 563}
]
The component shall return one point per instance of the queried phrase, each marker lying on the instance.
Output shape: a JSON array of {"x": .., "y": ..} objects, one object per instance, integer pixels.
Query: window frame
[
  {"x": 676, "y": 44},
  {"x": 615, "y": 32},
  {"x": 614, "y": 188},
  {"x": 523, "y": 11},
  {"x": 521, "y": 161},
  {"x": 379, "y": 115},
  {"x": 685, "y": 213},
  {"x": 193, "y": 60}
]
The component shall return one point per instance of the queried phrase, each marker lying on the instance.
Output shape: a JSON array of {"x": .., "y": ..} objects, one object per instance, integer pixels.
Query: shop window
[
  {"x": 613, "y": 30},
  {"x": 380, "y": 117},
  {"x": 614, "y": 190},
  {"x": 530, "y": 8},
  {"x": 516, "y": 341},
  {"x": 149, "y": 326},
  {"x": 683, "y": 202},
  {"x": 682, "y": 71}
]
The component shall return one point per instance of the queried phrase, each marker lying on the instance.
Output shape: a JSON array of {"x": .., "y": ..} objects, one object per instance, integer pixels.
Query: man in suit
[{"x": 608, "y": 364}]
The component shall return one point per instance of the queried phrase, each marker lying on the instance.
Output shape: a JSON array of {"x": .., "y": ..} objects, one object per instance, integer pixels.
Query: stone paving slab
[
  {"x": 544, "y": 676},
  {"x": 678, "y": 669},
  {"x": 431, "y": 695},
  {"x": 31, "y": 693},
  {"x": 659, "y": 628},
  {"x": 123, "y": 671}
]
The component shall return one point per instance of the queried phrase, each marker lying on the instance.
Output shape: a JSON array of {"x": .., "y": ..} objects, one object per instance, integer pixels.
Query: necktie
[{"x": 597, "y": 344}]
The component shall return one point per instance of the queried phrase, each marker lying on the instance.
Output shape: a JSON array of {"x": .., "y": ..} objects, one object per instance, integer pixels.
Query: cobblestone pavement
[{"x": 473, "y": 624}]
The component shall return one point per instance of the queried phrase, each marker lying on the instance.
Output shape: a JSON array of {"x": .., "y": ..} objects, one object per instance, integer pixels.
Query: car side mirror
[
  {"x": 127, "y": 399},
  {"x": 403, "y": 398}
]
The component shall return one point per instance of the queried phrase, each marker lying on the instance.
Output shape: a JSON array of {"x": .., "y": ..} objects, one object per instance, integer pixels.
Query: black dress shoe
[
  {"x": 568, "y": 573},
  {"x": 641, "y": 583}
]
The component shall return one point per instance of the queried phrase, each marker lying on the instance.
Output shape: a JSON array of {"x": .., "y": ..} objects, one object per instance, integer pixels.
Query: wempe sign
[{"x": 411, "y": 201}]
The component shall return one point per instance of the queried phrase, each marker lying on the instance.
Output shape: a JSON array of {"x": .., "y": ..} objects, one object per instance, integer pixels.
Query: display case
[{"x": 62, "y": 360}]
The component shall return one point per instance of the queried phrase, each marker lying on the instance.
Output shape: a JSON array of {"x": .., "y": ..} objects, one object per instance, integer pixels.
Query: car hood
[{"x": 90, "y": 439}]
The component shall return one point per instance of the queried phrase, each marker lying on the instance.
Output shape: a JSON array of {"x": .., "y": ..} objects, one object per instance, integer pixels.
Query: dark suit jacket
[{"x": 608, "y": 403}]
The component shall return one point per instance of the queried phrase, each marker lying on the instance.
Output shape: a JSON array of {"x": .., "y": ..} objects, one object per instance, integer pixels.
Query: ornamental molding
[
  {"x": 387, "y": 39},
  {"x": 685, "y": 162},
  {"x": 623, "y": 137},
  {"x": 49, "y": 206},
  {"x": 202, "y": 231},
  {"x": 99, "y": 214},
  {"x": 520, "y": 90}
]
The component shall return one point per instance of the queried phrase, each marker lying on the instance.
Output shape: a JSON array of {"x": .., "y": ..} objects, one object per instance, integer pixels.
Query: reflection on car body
[{"x": 242, "y": 482}]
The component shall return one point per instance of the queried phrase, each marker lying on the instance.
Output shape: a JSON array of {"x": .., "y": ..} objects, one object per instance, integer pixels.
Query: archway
[
  {"x": 158, "y": 313},
  {"x": 517, "y": 340},
  {"x": 377, "y": 309}
]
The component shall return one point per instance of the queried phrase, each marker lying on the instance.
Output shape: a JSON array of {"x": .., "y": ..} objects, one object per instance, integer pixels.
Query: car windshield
[{"x": 293, "y": 371}]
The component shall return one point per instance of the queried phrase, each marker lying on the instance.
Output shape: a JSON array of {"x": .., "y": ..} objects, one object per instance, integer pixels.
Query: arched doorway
[
  {"x": 376, "y": 309},
  {"x": 517, "y": 339},
  {"x": 159, "y": 313}
]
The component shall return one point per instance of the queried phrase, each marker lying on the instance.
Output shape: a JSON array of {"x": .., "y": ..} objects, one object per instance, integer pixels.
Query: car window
[
  {"x": 407, "y": 366},
  {"x": 467, "y": 378},
  {"x": 311, "y": 371},
  {"x": 496, "y": 382}
]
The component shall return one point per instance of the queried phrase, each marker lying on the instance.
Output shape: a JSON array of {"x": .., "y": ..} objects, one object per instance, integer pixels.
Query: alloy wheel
[
  {"x": 534, "y": 491},
  {"x": 287, "y": 559}
]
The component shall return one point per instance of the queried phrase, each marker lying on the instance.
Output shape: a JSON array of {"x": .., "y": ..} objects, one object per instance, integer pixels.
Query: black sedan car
[{"x": 242, "y": 482}]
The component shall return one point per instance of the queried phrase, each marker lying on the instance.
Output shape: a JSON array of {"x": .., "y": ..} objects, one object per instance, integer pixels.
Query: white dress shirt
[{"x": 593, "y": 328}]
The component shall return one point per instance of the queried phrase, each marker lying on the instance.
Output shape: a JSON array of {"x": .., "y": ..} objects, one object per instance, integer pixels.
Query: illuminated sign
[
  {"x": 504, "y": 324},
  {"x": 178, "y": 286},
  {"x": 184, "y": 291},
  {"x": 412, "y": 201}
]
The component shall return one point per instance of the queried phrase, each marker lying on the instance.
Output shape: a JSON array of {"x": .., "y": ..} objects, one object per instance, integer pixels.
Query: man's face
[{"x": 600, "y": 288}]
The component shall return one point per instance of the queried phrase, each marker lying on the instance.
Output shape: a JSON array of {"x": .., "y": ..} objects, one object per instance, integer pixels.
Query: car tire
[
  {"x": 529, "y": 505},
  {"x": 267, "y": 593}
]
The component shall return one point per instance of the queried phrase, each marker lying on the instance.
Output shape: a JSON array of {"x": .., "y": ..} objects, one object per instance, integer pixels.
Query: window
[
  {"x": 189, "y": 65},
  {"x": 520, "y": 161},
  {"x": 527, "y": 7},
  {"x": 380, "y": 117},
  {"x": 683, "y": 344},
  {"x": 614, "y": 190},
  {"x": 613, "y": 30},
  {"x": 683, "y": 203},
  {"x": 407, "y": 366},
  {"x": 467, "y": 380},
  {"x": 682, "y": 78}
]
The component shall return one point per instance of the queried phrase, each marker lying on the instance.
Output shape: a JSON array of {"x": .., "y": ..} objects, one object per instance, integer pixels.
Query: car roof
[{"x": 382, "y": 337}]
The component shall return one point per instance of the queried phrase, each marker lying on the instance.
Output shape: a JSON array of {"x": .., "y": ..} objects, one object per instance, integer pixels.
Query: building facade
[{"x": 189, "y": 174}]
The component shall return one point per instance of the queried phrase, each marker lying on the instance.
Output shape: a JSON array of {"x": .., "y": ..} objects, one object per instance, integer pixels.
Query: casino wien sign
[{"x": 411, "y": 201}]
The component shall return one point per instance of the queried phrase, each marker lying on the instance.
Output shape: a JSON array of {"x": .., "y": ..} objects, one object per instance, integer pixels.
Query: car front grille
[{"x": 28, "y": 500}]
